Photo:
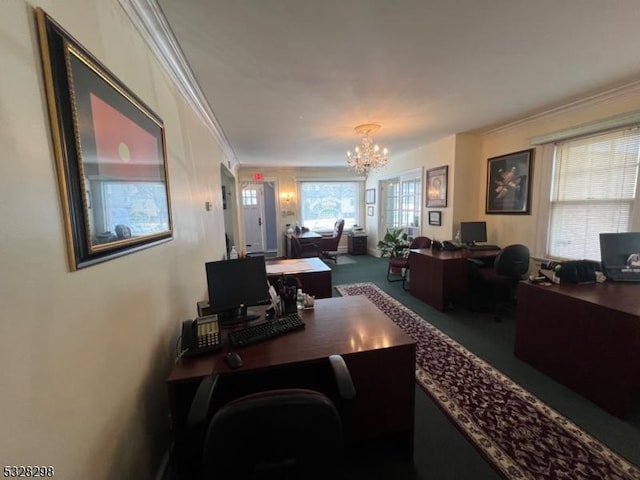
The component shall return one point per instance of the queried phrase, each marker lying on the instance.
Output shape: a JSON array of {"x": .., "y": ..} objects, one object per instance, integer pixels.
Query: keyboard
[
  {"x": 477, "y": 248},
  {"x": 265, "y": 330}
]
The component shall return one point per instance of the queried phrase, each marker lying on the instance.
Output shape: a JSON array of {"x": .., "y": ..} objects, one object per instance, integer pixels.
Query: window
[
  {"x": 323, "y": 203},
  {"x": 249, "y": 196},
  {"x": 138, "y": 205},
  {"x": 593, "y": 191},
  {"x": 401, "y": 202}
]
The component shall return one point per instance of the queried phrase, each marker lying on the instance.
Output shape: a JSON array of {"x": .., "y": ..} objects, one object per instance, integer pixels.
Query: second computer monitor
[{"x": 473, "y": 232}]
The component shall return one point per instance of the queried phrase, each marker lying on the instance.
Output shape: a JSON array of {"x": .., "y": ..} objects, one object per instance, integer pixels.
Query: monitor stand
[{"x": 237, "y": 315}]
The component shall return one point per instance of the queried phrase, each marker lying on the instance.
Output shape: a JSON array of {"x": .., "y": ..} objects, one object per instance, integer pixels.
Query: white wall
[
  {"x": 85, "y": 354},
  {"x": 432, "y": 155}
]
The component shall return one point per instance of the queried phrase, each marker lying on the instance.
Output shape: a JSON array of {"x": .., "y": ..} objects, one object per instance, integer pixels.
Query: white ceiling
[{"x": 288, "y": 80}]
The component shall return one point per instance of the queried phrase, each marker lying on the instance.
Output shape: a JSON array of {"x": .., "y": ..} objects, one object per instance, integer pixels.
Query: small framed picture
[
  {"x": 435, "y": 218},
  {"x": 436, "y": 186},
  {"x": 370, "y": 211},
  {"x": 370, "y": 196}
]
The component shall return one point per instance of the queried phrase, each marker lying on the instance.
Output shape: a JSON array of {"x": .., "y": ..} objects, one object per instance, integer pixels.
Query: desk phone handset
[
  {"x": 447, "y": 245},
  {"x": 200, "y": 336}
]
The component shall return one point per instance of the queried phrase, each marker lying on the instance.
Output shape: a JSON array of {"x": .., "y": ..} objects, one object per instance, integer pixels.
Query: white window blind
[{"x": 593, "y": 191}]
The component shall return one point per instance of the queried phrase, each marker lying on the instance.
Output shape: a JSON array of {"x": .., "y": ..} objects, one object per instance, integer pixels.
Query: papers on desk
[{"x": 299, "y": 266}]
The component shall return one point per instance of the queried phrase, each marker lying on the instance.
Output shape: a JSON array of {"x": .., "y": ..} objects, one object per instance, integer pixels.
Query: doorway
[{"x": 259, "y": 208}]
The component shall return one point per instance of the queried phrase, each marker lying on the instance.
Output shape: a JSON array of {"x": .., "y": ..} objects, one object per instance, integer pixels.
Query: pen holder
[{"x": 288, "y": 297}]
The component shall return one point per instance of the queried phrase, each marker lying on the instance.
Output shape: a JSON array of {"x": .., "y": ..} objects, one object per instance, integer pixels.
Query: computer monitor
[
  {"x": 472, "y": 232},
  {"x": 620, "y": 255},
  {"x": 235, "y": 285}
]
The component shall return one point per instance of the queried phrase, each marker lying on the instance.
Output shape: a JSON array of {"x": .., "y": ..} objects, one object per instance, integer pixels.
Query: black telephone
[
  {"x": 200, "y": 336},
  {"x": 447, "y": 245}
]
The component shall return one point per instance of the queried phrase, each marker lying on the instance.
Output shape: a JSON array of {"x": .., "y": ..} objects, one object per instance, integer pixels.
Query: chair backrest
[
  {"x": 331, "y": 243},
  {"x": 338, "y": 227},
  {"x": 123, "y": 231},
  {"x": 287, "y": 433},
  {"x": 420, "y": 242},
  {"x": 512, "y": 261},
  {"x": 296, "y": 247}
]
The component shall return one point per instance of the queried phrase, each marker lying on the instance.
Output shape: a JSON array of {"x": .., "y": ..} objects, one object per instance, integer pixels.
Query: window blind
[{"x": 593, "y": 191}]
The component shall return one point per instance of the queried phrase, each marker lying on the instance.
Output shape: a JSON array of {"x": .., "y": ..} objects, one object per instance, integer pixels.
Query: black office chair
[
  {"x": 304, "y": 250},
  {"x": 494, "y": 284},
  {"x": 281, "y": 433}
]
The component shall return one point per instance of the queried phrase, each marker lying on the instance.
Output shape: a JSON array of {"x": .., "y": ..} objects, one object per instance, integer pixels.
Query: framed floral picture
[{"x": 509, "y": 183}]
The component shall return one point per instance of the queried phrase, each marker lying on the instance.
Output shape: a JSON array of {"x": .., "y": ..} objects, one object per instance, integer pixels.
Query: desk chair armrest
[
  {"x": 343, "y": 378},
  {"x": 477, "y": 262},
  {"x": 199, "y": 410}
]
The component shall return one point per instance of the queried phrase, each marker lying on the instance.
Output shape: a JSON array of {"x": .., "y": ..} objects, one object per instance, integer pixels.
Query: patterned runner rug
[{"x": 520, "y": 435}]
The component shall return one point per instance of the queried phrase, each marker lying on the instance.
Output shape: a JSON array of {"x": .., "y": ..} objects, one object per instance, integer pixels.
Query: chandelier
[{"x": 367, "y": 156}]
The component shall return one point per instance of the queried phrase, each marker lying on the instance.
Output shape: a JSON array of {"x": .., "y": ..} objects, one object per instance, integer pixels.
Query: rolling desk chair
[
  {"x": 499, "y": 279},
  {"x": 329, "y": 243},
  {"x": 280, "y": 433},
  {"x": 304, "y": 250}
]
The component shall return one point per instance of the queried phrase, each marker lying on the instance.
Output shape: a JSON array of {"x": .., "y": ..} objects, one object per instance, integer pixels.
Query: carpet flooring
[{"x": 521, "y": 436}]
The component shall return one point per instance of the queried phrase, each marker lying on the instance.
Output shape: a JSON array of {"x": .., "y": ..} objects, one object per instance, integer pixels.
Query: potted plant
[{"x": 394, "y": 243}]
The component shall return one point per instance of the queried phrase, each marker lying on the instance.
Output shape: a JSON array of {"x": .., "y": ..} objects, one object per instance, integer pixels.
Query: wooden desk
[
  {"x": 313, "y": 273},
  {"x": 439, "y": 277},
  {"x": 304, "y": 238},
  {"x": 380, "y": 357},
  {"x": 585, "y": 336}
]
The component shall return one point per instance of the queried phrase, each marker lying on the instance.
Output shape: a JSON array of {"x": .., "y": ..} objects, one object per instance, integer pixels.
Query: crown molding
[
  {"x": 594, "y": 99},
  {"x": 148, "y": 18}
]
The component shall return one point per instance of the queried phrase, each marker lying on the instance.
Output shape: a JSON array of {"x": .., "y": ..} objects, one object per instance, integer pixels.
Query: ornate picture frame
[
  {"x": 110, "y": 154},
  {"x": 509, "y": 183},
  {"x": 436, "y": 186}
]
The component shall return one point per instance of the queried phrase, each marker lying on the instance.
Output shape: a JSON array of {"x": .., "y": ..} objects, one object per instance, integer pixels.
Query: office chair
[
  {"x": 329, "y": 243},
  {"x": 401, "y": 263},
  {"x": 122, "y": 232},
  {"x": 304, "y": 250},
  {"x": 279, "y": 433},
  {"x": 499, "y": 279}
]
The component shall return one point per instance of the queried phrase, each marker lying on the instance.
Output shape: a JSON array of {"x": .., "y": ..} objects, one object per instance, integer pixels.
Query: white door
[{"x": 253, "y": 206}]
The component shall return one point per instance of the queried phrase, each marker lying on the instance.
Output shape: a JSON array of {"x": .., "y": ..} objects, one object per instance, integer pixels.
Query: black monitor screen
[
  {"x": 620, "y": 255},
  {"x": 235, "y": 285},
  {"x": 472, "y": 232}
]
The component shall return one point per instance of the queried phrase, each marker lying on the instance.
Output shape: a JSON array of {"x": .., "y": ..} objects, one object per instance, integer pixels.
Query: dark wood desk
[
  {"x": 380, "y": 357},
  {"x": 585, "y": 336},
  {"x": 313, "y": 273},
  {"x": 439, "y": 277},
  {"x": 304, "y": 238}
]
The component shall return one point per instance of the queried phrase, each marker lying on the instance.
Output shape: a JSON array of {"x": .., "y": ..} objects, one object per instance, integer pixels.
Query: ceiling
[{"x": 288, "y": 80}]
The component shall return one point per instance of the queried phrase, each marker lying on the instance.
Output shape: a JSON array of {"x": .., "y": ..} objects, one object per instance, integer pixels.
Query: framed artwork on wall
[
  {"x": 110, "y": 154},
  {"x": 370, "y": 196},
  {"x": 370, "y": 211},
  {"x": 436, "y": 186},
  {"x": 509, "y": 183},
  {"x": 435, "y": 218}
]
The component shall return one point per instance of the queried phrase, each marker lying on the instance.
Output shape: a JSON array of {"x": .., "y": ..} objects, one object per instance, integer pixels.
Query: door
[{"x": 253, "y": 207}]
